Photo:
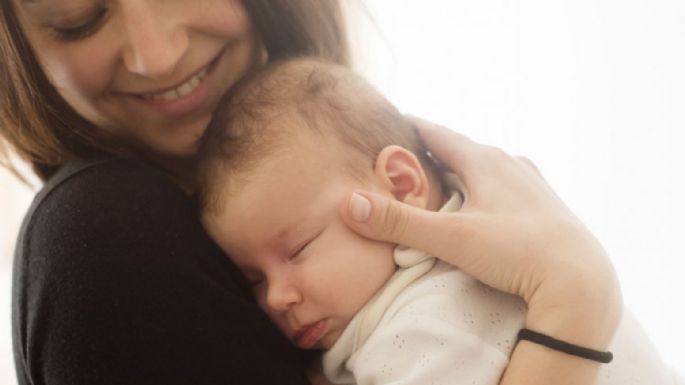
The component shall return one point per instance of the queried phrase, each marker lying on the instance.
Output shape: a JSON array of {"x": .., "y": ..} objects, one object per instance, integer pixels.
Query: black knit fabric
[{"x": 115, "y": 282}]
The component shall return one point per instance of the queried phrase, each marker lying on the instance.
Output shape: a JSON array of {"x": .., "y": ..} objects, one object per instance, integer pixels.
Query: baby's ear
[{"x": 400, "y": 172}]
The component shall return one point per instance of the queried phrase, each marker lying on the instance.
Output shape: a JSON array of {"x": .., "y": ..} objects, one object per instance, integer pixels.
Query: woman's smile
[
  {"x": 191, "y": 95},
  {"x": 178, "y": 91}
]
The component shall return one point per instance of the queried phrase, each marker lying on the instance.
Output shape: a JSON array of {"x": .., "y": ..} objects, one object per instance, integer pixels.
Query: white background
[{"x": 592, "y": 91}]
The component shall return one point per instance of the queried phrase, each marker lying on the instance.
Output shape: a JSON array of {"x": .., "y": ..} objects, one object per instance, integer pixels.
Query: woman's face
[{"x": 148, "y": 71}]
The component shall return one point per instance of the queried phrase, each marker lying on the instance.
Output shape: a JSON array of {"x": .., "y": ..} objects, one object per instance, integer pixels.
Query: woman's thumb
[{"x": 384, "y": 219}]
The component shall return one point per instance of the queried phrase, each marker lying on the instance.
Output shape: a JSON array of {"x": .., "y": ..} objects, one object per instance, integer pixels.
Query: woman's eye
[{"x": 82, "y": 31}]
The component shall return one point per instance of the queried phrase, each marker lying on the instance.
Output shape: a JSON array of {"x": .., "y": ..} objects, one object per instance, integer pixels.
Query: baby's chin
[{"x": 327, "y": 341}]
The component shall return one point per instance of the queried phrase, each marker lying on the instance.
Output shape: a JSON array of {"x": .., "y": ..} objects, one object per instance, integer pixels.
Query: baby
[{"x": 286, "y": 147}]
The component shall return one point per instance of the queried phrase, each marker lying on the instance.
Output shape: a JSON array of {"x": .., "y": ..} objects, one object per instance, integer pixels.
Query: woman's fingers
[
  {"x": 451, "y": 149},
  {"x": 528, "y": 163},
  {"x": 380, "y": 218},
  {"x": 472, "y": 162}
]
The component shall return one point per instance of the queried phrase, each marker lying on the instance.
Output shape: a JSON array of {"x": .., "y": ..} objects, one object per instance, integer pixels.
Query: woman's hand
[{"x": 513, "y": 233}]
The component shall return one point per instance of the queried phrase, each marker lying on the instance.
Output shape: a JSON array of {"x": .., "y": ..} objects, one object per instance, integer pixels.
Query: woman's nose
[
  {"x": 155, "y": 41},
  {"x": 282, "y": 294}
]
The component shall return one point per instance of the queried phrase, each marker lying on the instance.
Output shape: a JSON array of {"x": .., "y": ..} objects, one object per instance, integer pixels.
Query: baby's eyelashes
[
  {"x": 299, "y": 250},
  {"x": 303, "y": 246}
]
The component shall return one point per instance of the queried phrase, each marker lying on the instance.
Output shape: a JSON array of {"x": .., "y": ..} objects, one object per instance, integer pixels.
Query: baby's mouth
[{"x": 307, "y": 336}]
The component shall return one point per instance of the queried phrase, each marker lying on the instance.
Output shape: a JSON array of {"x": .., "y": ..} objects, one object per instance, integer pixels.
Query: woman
[{"x": 116, "y": 283}]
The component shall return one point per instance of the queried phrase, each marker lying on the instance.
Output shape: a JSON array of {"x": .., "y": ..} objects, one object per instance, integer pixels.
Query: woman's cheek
[
  {"x": 85, "y": 70},
  {"x": 223, "y": 18}
]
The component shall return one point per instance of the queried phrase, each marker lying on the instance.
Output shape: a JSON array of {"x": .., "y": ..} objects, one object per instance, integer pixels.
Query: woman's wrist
[{"x": 582, "y": 308}]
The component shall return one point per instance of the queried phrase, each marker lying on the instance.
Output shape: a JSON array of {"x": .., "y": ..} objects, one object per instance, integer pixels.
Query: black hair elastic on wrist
[{"x": 574, "y": 350}]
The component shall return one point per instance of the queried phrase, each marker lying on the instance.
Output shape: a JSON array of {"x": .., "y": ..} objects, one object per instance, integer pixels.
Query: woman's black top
[{"x": 115, "y": 282}]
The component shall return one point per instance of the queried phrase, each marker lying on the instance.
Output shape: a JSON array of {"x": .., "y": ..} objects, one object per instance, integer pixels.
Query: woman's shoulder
[
  {"x": 84, "y": 181},
  {"x": 88, "y": 187},
  {"x": 96, "y": 200},
  {"x": 110, "y": 219}
]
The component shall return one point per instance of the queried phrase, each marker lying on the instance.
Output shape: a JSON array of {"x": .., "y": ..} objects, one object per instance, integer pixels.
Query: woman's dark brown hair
[{"x": 39, "y": 126}]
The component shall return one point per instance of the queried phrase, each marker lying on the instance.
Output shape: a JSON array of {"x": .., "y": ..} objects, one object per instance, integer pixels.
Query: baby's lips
[{"x": 308, "y": 335}]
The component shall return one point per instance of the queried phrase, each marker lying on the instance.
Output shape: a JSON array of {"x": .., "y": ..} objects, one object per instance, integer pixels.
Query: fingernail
[{"x": 360, "y": 207}]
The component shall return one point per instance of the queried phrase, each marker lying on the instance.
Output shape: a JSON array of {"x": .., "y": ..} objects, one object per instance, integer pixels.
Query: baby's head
[{"x": 283, "y": 152}]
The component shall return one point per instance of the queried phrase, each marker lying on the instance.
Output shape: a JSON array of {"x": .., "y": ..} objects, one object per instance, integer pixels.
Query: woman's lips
[
  {"x": 180, "y": 90},
  {"x": 307, "y": 336},
  {"x": 189, "y": 102}
]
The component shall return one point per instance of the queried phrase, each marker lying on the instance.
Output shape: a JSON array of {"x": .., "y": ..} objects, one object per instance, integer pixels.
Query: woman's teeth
[{"x": 180, "y": 91}]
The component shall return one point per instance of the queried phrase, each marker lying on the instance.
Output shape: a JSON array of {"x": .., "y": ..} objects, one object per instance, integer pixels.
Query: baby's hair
[{"x": 323, "y": 97}]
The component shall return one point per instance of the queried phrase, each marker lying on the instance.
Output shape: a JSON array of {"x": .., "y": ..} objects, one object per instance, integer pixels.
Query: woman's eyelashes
[{"x": 84, "y": 29}]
